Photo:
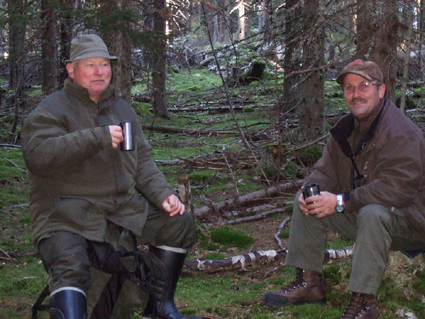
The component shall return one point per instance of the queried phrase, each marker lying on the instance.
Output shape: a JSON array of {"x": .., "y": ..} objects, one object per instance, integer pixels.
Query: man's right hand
[{"x": 116, "y": 135}]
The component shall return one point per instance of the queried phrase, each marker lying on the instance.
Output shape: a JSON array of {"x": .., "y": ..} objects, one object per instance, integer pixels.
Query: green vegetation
[{"x": 229, "y": 237}]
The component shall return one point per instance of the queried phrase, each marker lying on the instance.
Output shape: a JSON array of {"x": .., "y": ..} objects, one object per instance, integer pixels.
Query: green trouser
[
  {"x": 65, "y": 256},
  {"x": 375, "y": 230}
]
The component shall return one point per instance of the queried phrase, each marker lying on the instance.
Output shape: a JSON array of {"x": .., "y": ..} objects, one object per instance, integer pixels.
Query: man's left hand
[
  {"x": 173, "y": 205},
  {"x": 320, "y": 206}
]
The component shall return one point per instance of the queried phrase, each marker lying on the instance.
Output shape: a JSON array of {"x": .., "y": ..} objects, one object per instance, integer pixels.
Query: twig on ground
[
  {"x": 279, "y": 230},
  {"x": 15, "y": 165},
  {"x": 7, "y": 256}
]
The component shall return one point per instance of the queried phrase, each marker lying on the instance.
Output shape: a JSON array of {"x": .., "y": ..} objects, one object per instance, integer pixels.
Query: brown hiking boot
[
  {"x": 308, "y": 287},
  {"x": 361, "y": 306}
]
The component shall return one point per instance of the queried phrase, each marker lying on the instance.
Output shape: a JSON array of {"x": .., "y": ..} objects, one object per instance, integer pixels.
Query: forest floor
[{"x": 204, "y": 143}]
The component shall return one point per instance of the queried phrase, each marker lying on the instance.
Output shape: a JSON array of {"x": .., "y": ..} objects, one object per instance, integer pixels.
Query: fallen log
[
  {"x": 255, "y": 217},
  {"x": 260, "y": 257},
  {"x": 168, "y": 129},
  {"x": 229, "y": 204},
  {"x": 235, "y": 262}
]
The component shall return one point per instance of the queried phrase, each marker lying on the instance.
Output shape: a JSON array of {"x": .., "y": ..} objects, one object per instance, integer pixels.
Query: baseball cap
[
  {"x": 367, "y": 69},
  {"x": 89, "y": 46}
]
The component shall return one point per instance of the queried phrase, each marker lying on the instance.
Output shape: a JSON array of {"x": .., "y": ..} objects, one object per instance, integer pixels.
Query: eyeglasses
[{"x": 362, "y": 87}]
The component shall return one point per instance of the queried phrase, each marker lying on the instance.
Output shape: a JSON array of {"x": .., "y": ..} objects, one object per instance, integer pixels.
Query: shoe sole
[{"x": 271, "y": 302}]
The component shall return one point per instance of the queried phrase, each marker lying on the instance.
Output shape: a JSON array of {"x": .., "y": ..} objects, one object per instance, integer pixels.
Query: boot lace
[
  {"x": 356, "y": 306},
  {"x": 297, "y": 283}
]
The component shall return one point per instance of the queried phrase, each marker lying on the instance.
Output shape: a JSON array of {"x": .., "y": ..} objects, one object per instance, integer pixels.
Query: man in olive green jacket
[
  {"x": 372, "y": 181},
  {"x": 82, "y": 182}
]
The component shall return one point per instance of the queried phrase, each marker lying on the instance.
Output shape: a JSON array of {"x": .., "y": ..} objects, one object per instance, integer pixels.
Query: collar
[
  {"x": 344, "y": 128},
  {"x": 83, "y": 94}
]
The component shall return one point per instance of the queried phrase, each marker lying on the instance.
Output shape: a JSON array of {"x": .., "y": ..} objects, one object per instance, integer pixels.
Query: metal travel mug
[
  {"x": 311, "y": 190},
  {"x": 127, "y": 143}
]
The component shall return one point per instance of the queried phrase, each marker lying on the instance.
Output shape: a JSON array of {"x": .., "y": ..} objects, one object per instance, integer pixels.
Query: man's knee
[
  {"x": 188, "y": 227},
  {"x": 373, "y": 214},
  {"x": 65, "y": 258}
]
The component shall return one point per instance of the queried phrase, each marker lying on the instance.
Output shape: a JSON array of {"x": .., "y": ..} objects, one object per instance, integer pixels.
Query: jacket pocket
[{"x": 72, "y": 212}]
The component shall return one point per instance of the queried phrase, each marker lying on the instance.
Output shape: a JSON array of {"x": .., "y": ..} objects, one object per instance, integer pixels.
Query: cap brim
[
  {"x": 340, "y": 78},
  {"x": 98, "y": 54}
]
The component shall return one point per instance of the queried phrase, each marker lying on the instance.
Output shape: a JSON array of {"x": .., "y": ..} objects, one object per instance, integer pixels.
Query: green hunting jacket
[
  {"x": 389, "y": 152},
  {"x": 79, "y": 182}
]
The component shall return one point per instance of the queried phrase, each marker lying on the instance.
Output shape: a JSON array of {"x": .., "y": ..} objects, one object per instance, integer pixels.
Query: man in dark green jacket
[
  {"x": 82, "y": 182},
  {"x": 372, "y": 181}
]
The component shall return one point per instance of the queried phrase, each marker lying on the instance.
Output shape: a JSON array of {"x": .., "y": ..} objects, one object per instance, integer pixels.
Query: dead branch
[
  {"x": 215, "y": 109},
  {"x": 15, "y": 165},
  {"x": 168, "y": 129},
  {"x": 279, "y": 230},
  {"x": 6, "y": 256},
  {"x": 9, "y": 145},
  {"x": 229, "y": 204},
  {"x": 15, "y": 206},
  {"x": 231, "y": 172},
  {"x": 256, "y": 217}
]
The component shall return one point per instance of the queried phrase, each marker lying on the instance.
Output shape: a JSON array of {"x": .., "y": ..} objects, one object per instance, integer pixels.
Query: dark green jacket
[
  {"x": 78, "y": 180},
  {"x": 391, "y": 159}
]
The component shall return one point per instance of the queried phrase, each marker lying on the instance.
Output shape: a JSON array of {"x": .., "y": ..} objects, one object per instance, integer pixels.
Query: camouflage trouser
[
  {"x": 375, "y": 230},
  {"x": 65, "y": 257}
]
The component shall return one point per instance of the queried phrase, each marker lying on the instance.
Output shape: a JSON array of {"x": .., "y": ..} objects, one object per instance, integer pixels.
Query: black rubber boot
[
  {"x": 165, "y": 267},
  {"x": 68, "y": 304}
]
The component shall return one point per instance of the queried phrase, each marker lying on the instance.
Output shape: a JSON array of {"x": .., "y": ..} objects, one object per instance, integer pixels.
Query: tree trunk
[
  {"x": 292, "y": 58},
  {"x": 311, "y": 116},
  {"x": 377, "y": 33},
  {"x": 49, "y": 10},
  {"x": 17, "y": 53},
  {"x": 159, "y": 60},
  {"x": 241, "y": 19},
  {"x": 224, "y": 21},
  {"x": 120, "y": 45},
  {"x": 66, "y": 19}
]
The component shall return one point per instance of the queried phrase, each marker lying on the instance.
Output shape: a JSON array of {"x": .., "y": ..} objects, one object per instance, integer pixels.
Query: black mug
[
  {"x": 311, "y": 190},
  {"x": 127, "y": 143}
]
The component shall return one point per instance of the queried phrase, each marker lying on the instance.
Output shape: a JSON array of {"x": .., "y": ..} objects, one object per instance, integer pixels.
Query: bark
[
  {"x": 224, "y": 21},
  {"x": 241, "y": 20},
  {"x": 377, "y": 38},
  {"x": 406, "y": 63},
  {"x": 66, "y": 21},
  {"x": 17, "y": 29},
  {"x": 49, "y": 16},
  {"x": 229, "y": 204},
  {"x": 120, "y": 45},
  {"x": 312, "y": 109},
  {"x": 185, "y": 193},
  {"x": 159, "y": 60},
  {"x": 254, "y": 258},
  {"x": 292, "y": 58}
]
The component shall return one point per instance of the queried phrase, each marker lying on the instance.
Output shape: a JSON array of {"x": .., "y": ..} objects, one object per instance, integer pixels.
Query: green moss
[
  {"x": 141, "y": 108},
  {"x": 291, "y": 171},
  {"x": 310, "y": 155},
  {"x": 284, "y": 233},
  {"x": 228, "y": 236}
]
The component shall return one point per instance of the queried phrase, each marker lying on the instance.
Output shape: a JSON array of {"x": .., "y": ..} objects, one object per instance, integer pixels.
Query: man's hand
[
  {"x": 319, "y": 206},
  {"x": 116, "y": 135},
  {"x": 173, "y": 205}
]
